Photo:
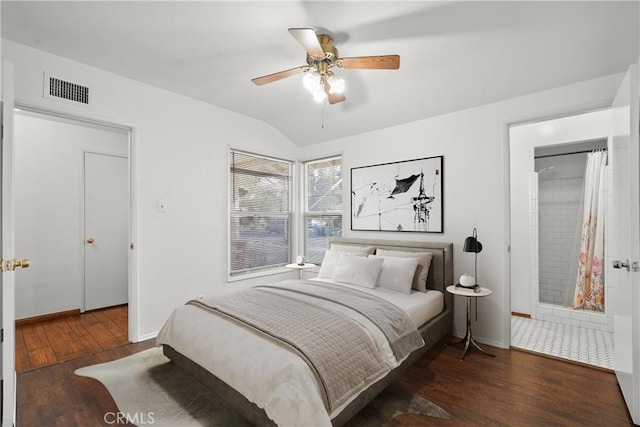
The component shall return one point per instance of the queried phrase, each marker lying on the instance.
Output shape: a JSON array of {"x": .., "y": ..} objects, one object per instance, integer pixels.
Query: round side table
[
  {"x": 300, "y": 267},
  {"x": 469, "y": 294}
]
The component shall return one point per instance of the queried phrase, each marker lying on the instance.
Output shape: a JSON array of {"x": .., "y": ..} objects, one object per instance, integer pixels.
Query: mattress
[{"x": 267, "y": 374}]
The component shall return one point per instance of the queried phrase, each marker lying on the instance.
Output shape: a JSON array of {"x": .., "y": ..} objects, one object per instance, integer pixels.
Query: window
[
  {"x": 323, "y": 205},
  {"x": 260, "y": 212}
]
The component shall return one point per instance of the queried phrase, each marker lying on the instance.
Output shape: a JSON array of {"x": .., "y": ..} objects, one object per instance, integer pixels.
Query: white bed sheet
[
  {"x": 420, "y": 306},
  {"x": 268, "y": 374}
]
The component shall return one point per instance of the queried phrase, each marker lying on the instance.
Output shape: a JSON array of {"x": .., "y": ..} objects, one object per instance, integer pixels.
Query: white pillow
[
  {"x": 357, "y": 270},
  {"x": 330, "y": 261},
  {"x": 422, "y": 271},
  {"x": 397, "y": 273},
  {"x": 352, "y": 248}
]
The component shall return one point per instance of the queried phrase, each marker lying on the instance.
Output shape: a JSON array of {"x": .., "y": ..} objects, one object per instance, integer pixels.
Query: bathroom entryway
[{"x": 548, "y": 181}]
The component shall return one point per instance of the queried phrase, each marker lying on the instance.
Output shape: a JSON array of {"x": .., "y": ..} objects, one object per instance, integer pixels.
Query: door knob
[
  {"x": 12, "y": 264},
  {"x": 23, "y": 263},
  {"x": 90, "y": 240},
  {"x": 622, "y": 264}
]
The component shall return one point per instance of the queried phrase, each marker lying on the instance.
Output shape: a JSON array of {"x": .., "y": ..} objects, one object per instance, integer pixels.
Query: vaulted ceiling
[{"x": 453, "y": 55}]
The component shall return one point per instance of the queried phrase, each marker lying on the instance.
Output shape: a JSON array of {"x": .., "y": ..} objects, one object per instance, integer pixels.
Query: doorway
[
  {"x": 547, "y": 174},
  {"x": 50, "y": 210}
]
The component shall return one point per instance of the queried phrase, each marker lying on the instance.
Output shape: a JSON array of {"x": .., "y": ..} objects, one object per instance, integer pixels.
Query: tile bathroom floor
[{"x": 588, "y": 346}]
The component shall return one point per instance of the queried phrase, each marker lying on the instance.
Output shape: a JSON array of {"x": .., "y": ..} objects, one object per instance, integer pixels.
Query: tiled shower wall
[
  {"x": 559, "y": 207},
  {"x": 560, "y": 313}
]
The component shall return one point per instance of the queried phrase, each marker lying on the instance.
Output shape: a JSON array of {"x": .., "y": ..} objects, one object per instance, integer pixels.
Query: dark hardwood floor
[
  {"x": 51, "y": 341},
  {"x": 55, "y": 396},
  {"x": 513, "y": 389}
]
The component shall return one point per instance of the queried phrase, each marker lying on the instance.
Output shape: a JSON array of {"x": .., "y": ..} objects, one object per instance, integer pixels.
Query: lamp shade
[{"x": 471, "y": 243}]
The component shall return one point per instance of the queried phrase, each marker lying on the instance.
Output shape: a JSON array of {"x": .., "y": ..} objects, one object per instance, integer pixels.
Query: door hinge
[{"x": 1, "y": 335}]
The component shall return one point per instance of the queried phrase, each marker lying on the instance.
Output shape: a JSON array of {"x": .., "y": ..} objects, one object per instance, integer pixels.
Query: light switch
[{"x": 162, "y": 206}]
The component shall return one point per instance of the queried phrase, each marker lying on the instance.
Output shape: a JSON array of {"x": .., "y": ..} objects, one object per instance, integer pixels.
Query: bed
[{"x": 273, "y": 381}]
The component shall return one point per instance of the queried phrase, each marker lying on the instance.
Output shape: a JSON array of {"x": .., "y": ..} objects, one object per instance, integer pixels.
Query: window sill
[
  {"x": 257, "y": 274},
  {"x": 272, "y": 272}
]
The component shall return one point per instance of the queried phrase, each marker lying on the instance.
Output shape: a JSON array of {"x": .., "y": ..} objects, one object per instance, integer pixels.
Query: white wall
[
  {"x": 180, "y": 156},
  {"x": 49, "y": 162},
  {"x": 476, "y": 181}
]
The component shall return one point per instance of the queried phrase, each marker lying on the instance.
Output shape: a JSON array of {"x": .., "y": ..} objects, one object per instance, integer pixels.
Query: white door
[
  {"x": 106, "y": 210},
  {"x": 9, "y": 264},
  {"x": 623, "y": 237}
]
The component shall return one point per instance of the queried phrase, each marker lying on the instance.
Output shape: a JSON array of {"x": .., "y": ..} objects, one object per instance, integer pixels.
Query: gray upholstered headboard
[{"x": 441, "y": 270}]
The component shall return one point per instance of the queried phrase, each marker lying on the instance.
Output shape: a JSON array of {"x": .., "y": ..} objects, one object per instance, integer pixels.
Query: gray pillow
[{"x": 422, "y": 271}]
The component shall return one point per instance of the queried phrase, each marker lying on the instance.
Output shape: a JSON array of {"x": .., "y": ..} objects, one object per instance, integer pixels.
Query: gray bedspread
[
  {"x": 313, "y": 320},
  {"x": 394, "y": 323}
]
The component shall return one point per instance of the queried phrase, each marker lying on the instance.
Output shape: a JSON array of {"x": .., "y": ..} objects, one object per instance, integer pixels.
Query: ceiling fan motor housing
[{"x": 323, "y": 64}]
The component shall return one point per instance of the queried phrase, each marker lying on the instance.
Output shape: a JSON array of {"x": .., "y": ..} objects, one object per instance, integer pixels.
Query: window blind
[
  {"x": 260, "y": 212},
  {"x": 323, "y": 205}
]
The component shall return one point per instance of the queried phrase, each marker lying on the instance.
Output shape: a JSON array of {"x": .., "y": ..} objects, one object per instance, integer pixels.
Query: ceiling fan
[{"x": 322, "y": 56}]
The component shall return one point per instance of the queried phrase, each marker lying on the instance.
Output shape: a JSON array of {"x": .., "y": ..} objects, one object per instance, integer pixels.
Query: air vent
[{"x": 62, "y": 89}]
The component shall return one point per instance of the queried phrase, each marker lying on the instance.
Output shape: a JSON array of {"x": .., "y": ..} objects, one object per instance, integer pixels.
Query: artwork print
[{"x": 400, "y": 196}]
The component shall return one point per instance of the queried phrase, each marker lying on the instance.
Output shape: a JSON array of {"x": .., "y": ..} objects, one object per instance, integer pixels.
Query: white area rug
[
  {"x": 148, "y": 389},
  {"x": 146, "y": 386}
]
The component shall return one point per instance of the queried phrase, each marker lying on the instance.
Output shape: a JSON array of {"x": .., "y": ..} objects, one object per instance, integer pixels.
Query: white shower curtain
[{"x": 589, "y": 293}]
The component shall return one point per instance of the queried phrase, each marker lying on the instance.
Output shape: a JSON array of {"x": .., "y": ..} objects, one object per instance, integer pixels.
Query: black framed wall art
[{"x": 399, "y": 196}]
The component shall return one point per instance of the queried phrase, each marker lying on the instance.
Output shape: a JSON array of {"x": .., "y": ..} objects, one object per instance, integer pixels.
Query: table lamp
[{"x": 471, "y": 244}]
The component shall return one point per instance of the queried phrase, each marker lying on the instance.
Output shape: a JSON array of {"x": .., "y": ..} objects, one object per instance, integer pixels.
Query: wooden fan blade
[
  {"x": 383, "y": 62},
  {"x": 333, "y": 98},
  {"x": 308, "y": 39},
  {"x": 270, "y": 78}
]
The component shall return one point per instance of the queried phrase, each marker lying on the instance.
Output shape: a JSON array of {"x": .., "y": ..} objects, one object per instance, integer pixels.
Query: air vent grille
[{"x": 70, "y": 91}]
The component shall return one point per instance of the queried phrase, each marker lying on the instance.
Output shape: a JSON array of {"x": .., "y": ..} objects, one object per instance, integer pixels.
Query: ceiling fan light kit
[
  {"x": 315, "y": 84},
  {"x": 322, "y": 56}
]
